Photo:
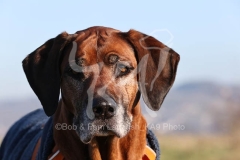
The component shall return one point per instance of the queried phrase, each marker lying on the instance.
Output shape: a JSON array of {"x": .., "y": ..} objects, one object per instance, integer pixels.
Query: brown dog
[{"x": 101, "y": 73}]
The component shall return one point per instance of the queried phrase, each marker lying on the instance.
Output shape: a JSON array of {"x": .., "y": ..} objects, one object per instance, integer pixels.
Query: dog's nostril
[
  {"x": 98, "y": 110},
  {"x": 103, "y": 109},
  {"x": 111, "y": 109}
]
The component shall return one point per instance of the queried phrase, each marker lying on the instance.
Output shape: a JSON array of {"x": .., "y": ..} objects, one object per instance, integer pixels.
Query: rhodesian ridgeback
[{"x": 101, "y": 73}]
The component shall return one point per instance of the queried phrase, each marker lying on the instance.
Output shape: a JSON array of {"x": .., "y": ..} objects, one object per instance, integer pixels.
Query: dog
[{"x": 101, "y": 73}]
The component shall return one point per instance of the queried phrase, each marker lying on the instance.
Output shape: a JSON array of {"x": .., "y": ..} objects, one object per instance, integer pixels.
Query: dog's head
[{"x": 101, "y": 73}]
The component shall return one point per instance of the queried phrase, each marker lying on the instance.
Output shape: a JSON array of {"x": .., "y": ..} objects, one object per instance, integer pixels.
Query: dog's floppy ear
[
  {"x": 42, "y": 69},
  {"x": 157, "y": 67}
]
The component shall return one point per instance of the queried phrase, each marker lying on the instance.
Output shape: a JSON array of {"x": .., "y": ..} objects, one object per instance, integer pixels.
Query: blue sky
[{"x": 205, "y": 33}]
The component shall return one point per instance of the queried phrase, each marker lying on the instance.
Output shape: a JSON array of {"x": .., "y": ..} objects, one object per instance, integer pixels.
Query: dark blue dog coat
[{"x": 22, "y": 138}]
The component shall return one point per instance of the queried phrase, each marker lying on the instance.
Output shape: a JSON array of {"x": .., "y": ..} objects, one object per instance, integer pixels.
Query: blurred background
[{"x": 199, "y": 119}]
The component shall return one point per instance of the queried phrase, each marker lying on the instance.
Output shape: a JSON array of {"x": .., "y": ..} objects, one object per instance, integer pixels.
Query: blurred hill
[
  {"x": 192, "y": 108},
  {"x": 202, "y": 107}
]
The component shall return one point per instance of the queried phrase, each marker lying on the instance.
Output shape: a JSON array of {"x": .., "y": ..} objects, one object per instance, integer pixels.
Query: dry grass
[{"x": 188, "y": 147}]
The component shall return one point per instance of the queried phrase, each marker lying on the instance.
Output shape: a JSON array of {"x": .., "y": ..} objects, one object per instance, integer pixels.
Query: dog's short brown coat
[{"x": 153, "y": 70}]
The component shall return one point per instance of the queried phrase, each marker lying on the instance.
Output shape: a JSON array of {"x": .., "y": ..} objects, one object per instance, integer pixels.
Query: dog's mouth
[
  {"x": 115, "y": 127},
  {"x": 88, "y": 128},
  {"x": 98, "y": 131}
]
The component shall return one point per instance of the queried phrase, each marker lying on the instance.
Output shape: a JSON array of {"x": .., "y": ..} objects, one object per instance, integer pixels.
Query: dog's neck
[{"x": 100, "y": 148}]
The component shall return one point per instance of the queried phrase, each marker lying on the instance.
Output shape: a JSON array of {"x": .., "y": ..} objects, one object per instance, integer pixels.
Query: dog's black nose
[{"x": 104, "y": 109}]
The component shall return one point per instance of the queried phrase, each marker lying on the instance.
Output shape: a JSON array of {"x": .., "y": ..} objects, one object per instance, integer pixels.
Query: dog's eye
[
  {"x": 122, "y": 70},
  {"x": 74, "y": 73}
]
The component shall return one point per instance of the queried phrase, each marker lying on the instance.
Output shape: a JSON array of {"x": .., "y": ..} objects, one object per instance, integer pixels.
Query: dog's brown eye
[{"x": 122, "y": 70}]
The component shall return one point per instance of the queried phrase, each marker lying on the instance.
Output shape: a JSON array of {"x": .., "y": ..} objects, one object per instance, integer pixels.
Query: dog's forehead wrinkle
[
  {"x": 102, "y": 34},
  {"x": 100, "y": 41}
]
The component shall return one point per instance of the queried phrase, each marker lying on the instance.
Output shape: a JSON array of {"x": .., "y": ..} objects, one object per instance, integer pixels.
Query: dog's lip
[
  {"x": 86, "y": 140},
  {"x": 109, "y": 131},
  {"x": 102, "y": 132}
]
